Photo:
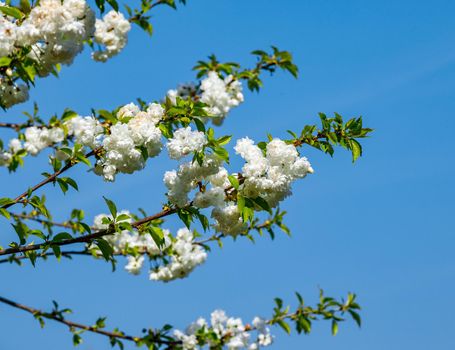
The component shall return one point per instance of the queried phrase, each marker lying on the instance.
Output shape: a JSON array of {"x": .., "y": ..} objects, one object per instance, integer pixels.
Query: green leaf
[
  {"x": 62, "y": 185},
  {"x": 356, "y": 317},
  {"x": 61, "y": 236},
  {"x": 262, "y": 203},
  {"x": 100, "y": 4},
  {"x": 222, "y": 153},
  {"x": 5, "y": 61},
  {"x": 122, "y": 217},
  {"x": 111, "y": 206},
  {"x": 285, "y": 326},
  {"x": 240, "y": 203},
  {"x": 334, "y": 327},
  {"x": 5, "y": 213},
  {"x": 113, "y": 3},
  {"x": 105, "y": 248},
  {"x": 157, "y": 235},
  {"x": 356, "y": 149},
  {"x": 234, "y": 181},
  {"x": 77, "y": 339},
  {"x": 5, "y": 201},
  {"x": 25, "y": 6},
  {"x": 224, "y": 140},
  {"x": 71, "y": 182},
  {"x": 83, "y": 159},
  {"x": 86, "y": 227},
  {"x": 199, "y": 125},
  {"x": 12, "y": 11},
  {"x": 303, "y": 324},
  {"x": 57, "y": 251}
]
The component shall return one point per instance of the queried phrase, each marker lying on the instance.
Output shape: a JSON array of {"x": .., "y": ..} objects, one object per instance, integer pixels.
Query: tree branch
[
  {"x": 68, "y": 254},
  {"x": 86, "y": 238},
  {"x": 49, "y": 179},
  {"x": 14, "y": 126},
  {"x": 55, "y": 316},
  {"x": 42, "y": 221}
]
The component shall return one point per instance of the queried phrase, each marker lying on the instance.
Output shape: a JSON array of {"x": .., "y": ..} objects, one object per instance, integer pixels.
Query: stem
[
  {"x": 42, "y": 221},
  {"x": 54, "y": 316},
  {"x": 142, "y": 12},
  {"x": 68, "y": 254},
  {"x": 86, "y": 238},
  {"x": 14, "y": 126},
  {"x": 49, "y": 179}
]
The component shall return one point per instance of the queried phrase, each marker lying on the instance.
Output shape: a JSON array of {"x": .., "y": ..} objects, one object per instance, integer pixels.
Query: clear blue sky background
[{"x": 381, "y": 228}]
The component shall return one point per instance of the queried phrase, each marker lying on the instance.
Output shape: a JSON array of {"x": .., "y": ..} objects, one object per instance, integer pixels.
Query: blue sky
[{"x": 381, "y": 227}]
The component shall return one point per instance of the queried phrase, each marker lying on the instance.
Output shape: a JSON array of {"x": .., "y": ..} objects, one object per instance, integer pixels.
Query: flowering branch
[
  {"x": 57, "y": 315},
  {"x": 49, "y": 179},
  {"x": 267, "y": 224},
  {"x": 223, "y": 331},
  {"x": 87, "y": 238}
]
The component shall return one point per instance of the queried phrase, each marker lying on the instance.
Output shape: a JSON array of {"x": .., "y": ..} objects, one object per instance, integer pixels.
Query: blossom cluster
[
  {"x": 12, "y": 93},
  {"x": 54, "y": 32},
  {"x": 130, "y": 142},
  {"x": 182, "y": 182},
  {"x": 220, "y": 95},
  {"x": 126, "y": 144},
  {"x": 225, "y": 331},
  {"x": 86, "y": 131},
  {"x": 184, "y": 142},
  {"x": 268, "y": 176},
  {"x": 112, "y": 33},
  {"x": 183, "y": 255}
]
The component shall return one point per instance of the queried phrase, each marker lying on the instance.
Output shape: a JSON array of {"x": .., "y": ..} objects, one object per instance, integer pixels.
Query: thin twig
[{"x": 42, "y": 221}]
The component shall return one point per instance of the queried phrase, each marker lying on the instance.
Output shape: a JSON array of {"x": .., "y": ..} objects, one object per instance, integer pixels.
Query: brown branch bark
[
  {"x": 86, "y": 238},
  {"x": 14, "y": 126},
  {"x": 70, "y": 324},
  {"x": 49, "y": 179},
  {"x": 41, "y": 221}
]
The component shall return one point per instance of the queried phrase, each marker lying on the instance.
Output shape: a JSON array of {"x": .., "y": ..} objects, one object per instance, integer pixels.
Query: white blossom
[
  {"x": 185, "y": 257},
  {"x": 36, "y": 139},
  {"x": 184, "y": 142},
  {"x": 270, "y": 176},
  {"x": 12, "y": 93},
  {"x": 134, "y": 265},
  {"x": 180, "y": 183},
  {"x": 220, "y": 95},
  {"x": 7, "y": 35},
  {"x": 112, "y": 33},
  {"x": 126, "y": 140},
  {"x": 87, "y": 131},
  {"x": 227, "y": 331},
  {"x": 228, "y": 220}
]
